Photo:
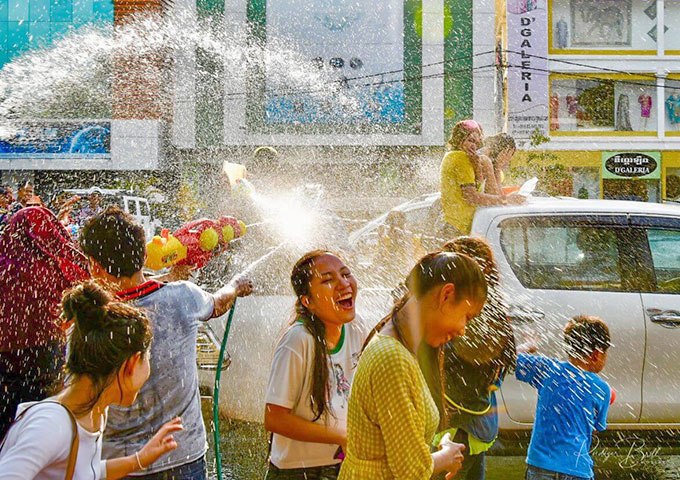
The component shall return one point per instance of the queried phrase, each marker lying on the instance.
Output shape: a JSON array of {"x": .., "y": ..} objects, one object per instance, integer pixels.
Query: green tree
[{"x": 553, "y": 177}]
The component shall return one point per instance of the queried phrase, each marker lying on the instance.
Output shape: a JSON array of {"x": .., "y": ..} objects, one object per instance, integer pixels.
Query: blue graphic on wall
[
  {"x": 59, "y": 140},
  {"x": 366, "y": 105}
]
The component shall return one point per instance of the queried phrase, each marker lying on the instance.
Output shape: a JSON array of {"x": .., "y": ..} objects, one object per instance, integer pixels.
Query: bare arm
[
  {"x": 160, "y": 444},
  {"x": 473, "y": 197},
  {"x": 492, "y": 181},
  {"x": 281, "y": 420},
  {"x": 224, "y": 298}
]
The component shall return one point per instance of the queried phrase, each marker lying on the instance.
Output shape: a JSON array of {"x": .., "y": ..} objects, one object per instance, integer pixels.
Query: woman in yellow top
[
  {"x": 392, "y": 417},
  {"x": 465, "y": 175}
]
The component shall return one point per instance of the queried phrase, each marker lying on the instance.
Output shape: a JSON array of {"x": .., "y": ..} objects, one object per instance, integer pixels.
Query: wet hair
[
  {"x": 106, "y": 333},
  {"x": 586, "y": 334},
  {"x": 435, "y": 270},
  {"x": 498, "y": 144},
  {"x": 460, "y": 131},
  {"x": 489, "y": 336},
  {"x": 301, "y": 280},
  {"x": 480, "y": 251},
  {"x": 115, "y": 241}
]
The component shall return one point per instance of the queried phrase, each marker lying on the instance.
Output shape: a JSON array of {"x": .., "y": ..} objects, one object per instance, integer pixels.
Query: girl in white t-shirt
[
  {"x": 109, "y": 362},
  {"x": 312, "y": 371}
]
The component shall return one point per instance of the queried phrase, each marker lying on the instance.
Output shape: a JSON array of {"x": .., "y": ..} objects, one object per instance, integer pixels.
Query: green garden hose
[{"x": 216, "y": 392}]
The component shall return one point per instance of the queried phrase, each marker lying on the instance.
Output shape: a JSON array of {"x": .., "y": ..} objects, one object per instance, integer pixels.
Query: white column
[
  {"x": 660, "y": 106},
  {"x": 184, "y": 79},
  {"x": 483, "y": 80},
  {"x": 433, "y": 87},
  {"x": 235, "y": 102}
]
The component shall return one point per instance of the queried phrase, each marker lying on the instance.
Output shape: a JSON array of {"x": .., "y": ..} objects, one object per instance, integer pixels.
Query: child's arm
[{"x": 532, "y": 369}]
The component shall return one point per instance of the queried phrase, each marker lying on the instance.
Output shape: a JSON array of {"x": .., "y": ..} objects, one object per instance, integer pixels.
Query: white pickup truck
[
  {"x": 558, "y": 258},
  {"x": 562, "y": 257}
]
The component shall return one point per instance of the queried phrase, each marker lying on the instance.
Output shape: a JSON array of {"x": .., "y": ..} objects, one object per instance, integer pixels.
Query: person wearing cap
[
  {"x": 464, "y": 175},
  {"x": 94, "y": 195}
]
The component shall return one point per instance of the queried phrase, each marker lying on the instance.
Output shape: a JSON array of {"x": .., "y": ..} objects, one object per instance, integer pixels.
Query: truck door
[
  {"x": 559, "y": 266},
  {"x": 661, "y": 304}
]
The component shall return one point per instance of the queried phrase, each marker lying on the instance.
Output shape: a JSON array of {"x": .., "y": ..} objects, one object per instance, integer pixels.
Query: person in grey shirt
[{"x": 116, "y": 247}]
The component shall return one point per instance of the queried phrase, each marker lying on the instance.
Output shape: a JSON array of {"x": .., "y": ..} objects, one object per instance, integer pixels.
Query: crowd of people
[{"x": 98, "y": 360}]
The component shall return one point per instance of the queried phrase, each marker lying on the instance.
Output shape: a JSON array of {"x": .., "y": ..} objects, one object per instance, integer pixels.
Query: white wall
[{"x": 483, "y": 80}]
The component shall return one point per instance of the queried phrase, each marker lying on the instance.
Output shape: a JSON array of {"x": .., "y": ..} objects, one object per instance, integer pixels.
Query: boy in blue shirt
[{"x": 572, "y": 402}]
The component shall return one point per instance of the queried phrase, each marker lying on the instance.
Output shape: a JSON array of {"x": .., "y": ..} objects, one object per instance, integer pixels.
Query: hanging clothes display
[
  {"x": 645, "y": 102},
  {"x": 562, "y": 33},
  {"x": 673, "y": 108},
  {"x": 554, "y": 111},
  {"x": 572, "y": 105},
  {"x": 623, "y": 114}
]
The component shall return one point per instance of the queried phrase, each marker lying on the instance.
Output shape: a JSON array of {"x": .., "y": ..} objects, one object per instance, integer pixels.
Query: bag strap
[{"x": 75, "y": 440}]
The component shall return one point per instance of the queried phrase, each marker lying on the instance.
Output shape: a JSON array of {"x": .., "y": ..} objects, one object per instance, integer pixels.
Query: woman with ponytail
[
  {"x": 392, "y": 417},
  {"x": 312, "y": 371},
  {"x": 61, "y": 437}
]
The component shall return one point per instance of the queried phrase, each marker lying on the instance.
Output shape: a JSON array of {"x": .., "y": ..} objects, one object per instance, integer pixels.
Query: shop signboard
[
  {"x": 527, "y": 59},
  {"x": 631, "y": 165},
  {"x": 58, "y": 140}
]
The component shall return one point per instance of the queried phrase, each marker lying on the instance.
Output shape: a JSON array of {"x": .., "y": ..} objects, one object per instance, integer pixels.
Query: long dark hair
[
  {"x": 499, "y": 143},
  {"x": 106, "y": 333},
  {"x": 301, "y": 279},
  {"x": 434, "y": 270}
]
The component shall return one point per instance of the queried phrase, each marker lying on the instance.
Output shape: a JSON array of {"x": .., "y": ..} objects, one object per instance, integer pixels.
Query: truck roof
[{"x": 546, "y": 205}]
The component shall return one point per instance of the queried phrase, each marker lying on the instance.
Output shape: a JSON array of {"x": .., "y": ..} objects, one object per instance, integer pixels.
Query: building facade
[{"x": 601, "y": 79}]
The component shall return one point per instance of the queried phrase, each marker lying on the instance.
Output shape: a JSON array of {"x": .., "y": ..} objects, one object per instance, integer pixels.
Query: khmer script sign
[
  {"x": 631, "y": 165},
  {"x": 527, "y": 59}
]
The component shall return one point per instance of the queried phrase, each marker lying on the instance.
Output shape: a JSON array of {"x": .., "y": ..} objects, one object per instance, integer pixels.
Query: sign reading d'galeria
[{"x": 629, "y": 165}]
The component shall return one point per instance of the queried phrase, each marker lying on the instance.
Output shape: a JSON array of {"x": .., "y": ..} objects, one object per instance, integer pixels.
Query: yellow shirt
[
  {"x": 457, "y": 171},
  {"x": 392, "y": 417}
]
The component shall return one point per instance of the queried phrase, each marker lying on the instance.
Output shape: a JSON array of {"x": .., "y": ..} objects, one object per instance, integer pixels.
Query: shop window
[
  {"x": 614, "y": 25},
  {"x": 672, "y": 106},
  {"x": 673, "y": 184},
  {"x": 672, "y": 23},
  {"x": 579, "y": 104},
  {"x": 586, "y": 182},
  {"x": 631, "y": 189}
]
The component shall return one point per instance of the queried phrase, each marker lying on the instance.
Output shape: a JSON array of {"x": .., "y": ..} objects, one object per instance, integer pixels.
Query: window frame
[
  {"x": 655, "y": 222},
  {"x": 628, "y": 258}
]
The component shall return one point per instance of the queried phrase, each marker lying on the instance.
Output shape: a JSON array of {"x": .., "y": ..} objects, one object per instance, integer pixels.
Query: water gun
[{"x": 194, "y": 243}]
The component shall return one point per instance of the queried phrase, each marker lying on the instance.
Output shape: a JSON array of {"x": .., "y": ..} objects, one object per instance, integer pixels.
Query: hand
[
  {"x": 453, "y": 454},
  {"x": 242, "y": 285},
  {"x": 529, "y": 342},
  {"x": 179, "y": 272},
  {"x": 161, "y": 443}
]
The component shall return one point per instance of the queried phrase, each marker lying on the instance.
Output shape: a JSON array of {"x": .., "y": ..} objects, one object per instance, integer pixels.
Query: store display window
[
  {"x": 673, "y": 184},
  {"x": 579, "y": 104},
  {"x": 586, "y": 182},
  {"x": 672, "y": 106},
  {"x": 672, "y": 22},
  {"x": 617, "y": 26}
]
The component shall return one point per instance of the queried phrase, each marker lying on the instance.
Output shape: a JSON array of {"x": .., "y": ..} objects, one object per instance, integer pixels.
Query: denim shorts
[
  {"x": 189, "y": 471},
  {"x": 535, "y": 473},
  {"x": 328, "y": 472}
]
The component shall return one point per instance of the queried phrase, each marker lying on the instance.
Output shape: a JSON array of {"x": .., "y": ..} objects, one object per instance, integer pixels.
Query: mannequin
[
  {"x": 673, "y": 109},
  {"x": 562, "y": 33},
  {"x": 623, "y": 114},
  {"x": 645, "y": 102},
  {"x": 554, "y": 112}
]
